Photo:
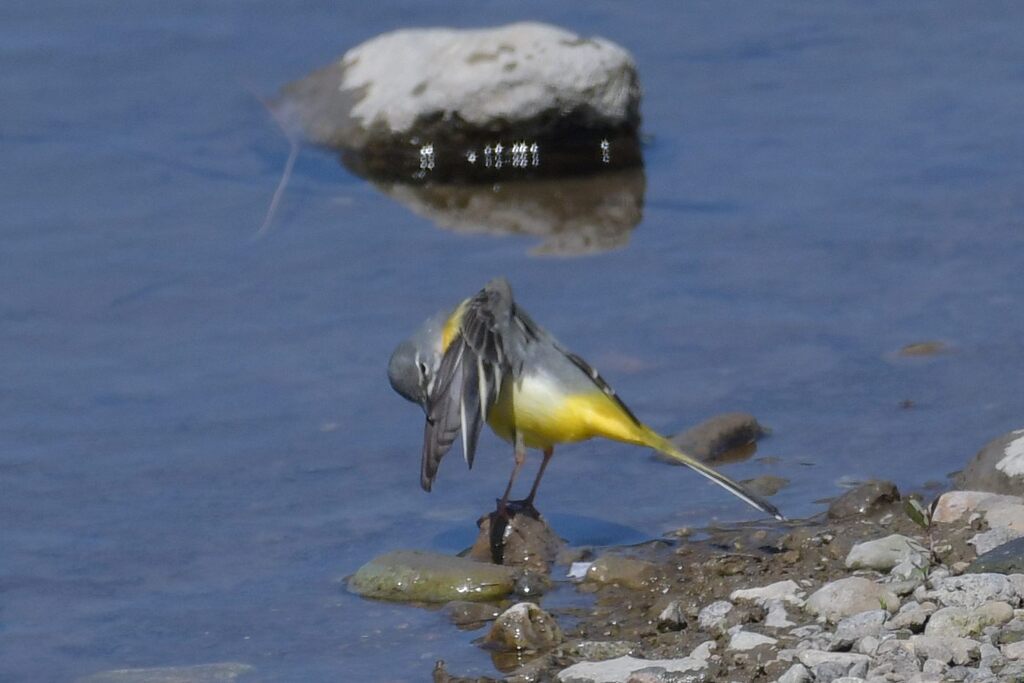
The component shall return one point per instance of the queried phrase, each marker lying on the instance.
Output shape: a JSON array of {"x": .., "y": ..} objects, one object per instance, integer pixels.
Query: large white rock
[
  {"x": 885, "y": 553},
  {"x": 788, "y": 591},
  {"x": 974, "y": 590},
  {"x": 620, "y": 669},
  {"x": 953, "y": 505},
  {"x": 455, "y": 91}
]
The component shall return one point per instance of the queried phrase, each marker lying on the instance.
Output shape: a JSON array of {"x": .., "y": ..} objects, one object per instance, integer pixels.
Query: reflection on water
[{"x": 573, "y": 216}]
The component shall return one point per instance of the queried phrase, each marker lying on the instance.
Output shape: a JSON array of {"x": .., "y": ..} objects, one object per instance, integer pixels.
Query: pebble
[
  {"x": 852, "y": 628},
  {"x": 945, "y": 649},
  {"x": 848, "y": 596},
  {"x": 524, "y": 626},
  {"x": 466, "y": 614},
  {"x": 845, "y": 663},
  {"x": 912, "y": 616},
  {"x": 885, "y": 553},
  {"x": 715, "y": 617},
  {"x": 798, "y": 673},
  {"x": 777, "y": 616}
]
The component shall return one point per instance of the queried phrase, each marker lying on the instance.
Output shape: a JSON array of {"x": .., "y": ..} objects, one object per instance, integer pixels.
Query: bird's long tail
[{"x": 659, "y": 443}]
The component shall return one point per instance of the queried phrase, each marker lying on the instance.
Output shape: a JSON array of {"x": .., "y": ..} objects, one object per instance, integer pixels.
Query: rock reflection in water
[{"x": 582, "y": 215}]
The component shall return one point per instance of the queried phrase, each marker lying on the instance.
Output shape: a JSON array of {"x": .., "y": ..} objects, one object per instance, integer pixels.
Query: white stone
[
  {"x": 974, "y": 590},
  {"x": 1012, "y": 464},
  {"x": 702, "y": 652},
  {"x": 1006, "y": 516},
  {"x": 713, "y": 617},
  {"x": 812, "y": 658},
  {"x": 993, "y": 538},
  {"x": 619, "y": 670},
  {"x": 962, "y": 622},
  {"x": 748, "y": 640},
  {"x": 484, "y": 74},
  {"x": 578, "y": 570},
  {"x": 852, "y": 628},
  {"x": 1013, "y": 650},
  {"x": 777, "y": 616},
  {"x": 851, "y": 595},
  {"x": 798, "y": 673},
  {"x": 953, "y": 505},
  {"x": 788, "y": 591},
  {"x": 885, "y": 553}
]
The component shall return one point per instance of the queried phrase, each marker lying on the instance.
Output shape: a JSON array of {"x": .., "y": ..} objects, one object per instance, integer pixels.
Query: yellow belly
[{"x": 535, "y": 408}]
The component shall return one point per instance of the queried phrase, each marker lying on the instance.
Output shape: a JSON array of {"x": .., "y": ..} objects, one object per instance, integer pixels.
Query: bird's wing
[{"x": 469, "y": 378}]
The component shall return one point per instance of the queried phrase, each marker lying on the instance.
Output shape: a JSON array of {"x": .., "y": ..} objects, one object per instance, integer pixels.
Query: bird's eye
[{"x": 423, "y": 368}]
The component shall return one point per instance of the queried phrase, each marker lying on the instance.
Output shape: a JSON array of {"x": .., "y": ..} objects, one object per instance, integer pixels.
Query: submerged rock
[
  {"x": 474, "y": 104},
  {"x": 222, "y": 672},
  {"x": 416, "y": 576},
  {"x": 718, "y": 436},
  {"x": 624, "y": 571},
  {"x": 864, "y": 500},
  {"x": 998, "y": 466},
  {"x": 524, "y": 626}
]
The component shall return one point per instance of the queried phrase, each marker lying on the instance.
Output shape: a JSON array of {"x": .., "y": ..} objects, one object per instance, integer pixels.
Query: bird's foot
[
  {"x": 501, "y": 518},
  {"x": 511, "y": 508}
]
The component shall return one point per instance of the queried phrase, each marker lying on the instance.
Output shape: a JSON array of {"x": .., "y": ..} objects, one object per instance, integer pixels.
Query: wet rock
[
  {"x": 998, "y": 466},
  {"x": 415, "y": 576},
  {"x": 570, "y": 216},
  {"x": 766, "y": 485},
  {"x": 524, "y": 626},
  {"x": 944, "y": 649},
  {"x": 673, "y": 616},
  {"x": 619, "y": 670},
  {"x": 788, "y": 591},
  {"x": 961, "y": 622},
  {"x": 471, "y": 95},
  {"x": 852, "y": 628},
  {"x": 1007, "y": 558},
  {"x": 624, "y": 571},
  {"x": 718, "y": 436},
  {"x": 470, "y": 615},
  {"x": 866, "y": 500},
  {"x": 526, "y": 541},
  {"x": 741, "y": 640},
  {"x": 222, "y": 672},
  {"x": 911, "y": 616},
  {"x": 848, "y": 596},
  {"x": 973, "y": 590},
  {"x": 885, "y": 553},
  {"x": 954, "y": 505}
]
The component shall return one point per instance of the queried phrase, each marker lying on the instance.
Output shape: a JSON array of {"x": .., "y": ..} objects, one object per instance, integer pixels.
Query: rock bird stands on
[{"x": 488, "y": 361}]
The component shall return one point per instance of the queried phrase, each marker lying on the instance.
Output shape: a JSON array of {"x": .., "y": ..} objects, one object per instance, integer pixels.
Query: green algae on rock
[{"x": 416, "y": 576}]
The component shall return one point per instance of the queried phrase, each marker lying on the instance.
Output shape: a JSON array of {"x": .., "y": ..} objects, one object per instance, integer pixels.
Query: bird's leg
[
  {"x": 520, "y": 457},
  {"x": 548, "y": 452}
]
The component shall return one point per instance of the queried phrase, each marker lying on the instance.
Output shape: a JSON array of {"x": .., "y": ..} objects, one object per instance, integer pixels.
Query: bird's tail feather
[{"x": 664, "y": 446}]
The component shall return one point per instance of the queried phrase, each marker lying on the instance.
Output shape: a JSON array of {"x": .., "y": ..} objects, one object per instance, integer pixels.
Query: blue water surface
[{"x": 197, "y": 439}]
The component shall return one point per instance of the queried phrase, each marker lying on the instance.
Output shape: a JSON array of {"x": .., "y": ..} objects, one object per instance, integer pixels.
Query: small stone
[
  {"x": 714, "y": 617},
  {"x": 416, "y": 576},
  {"x": 1007, "y": 558},
  {"x": 851, "y": 595},
  {"x": 777, "y": 616},
  {"x": 527, "y": 542},
  {"x": 912, "y": 616},
  {"x": 222, "y": 672},
  {"x": 624, "y": 571},
  {"x": 788, "y": 591},
  {"x": 865, "y": 500},
  {"x": 885, "y": 553},
  {"x": 748, "y": 640},
  {"x": 852, "y": 628},
  {"x": 524, "y": 626},
  {"x": 867, "y": 645},
  {"x": 703, "y": 651},
  {"x": 990, "y": 655},
  {"x": 798, "y": 673},
  {"x": 945, "y": 649},
  {"x": 998, "y": 466},
  {"x": 934, "y": 667},
  {"x": 673, "y": 616},
  {"x": 619, "y": 670}
]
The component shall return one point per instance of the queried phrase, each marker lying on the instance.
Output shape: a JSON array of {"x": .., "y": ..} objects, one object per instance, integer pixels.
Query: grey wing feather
[{"x": 469, "y": 378}]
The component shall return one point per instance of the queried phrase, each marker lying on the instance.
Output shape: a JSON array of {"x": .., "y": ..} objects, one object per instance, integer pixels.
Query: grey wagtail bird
[{"x": 488, "y": 361}]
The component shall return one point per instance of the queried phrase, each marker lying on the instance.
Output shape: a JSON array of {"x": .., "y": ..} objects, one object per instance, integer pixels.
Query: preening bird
[{"x": 488, "y": 361}]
